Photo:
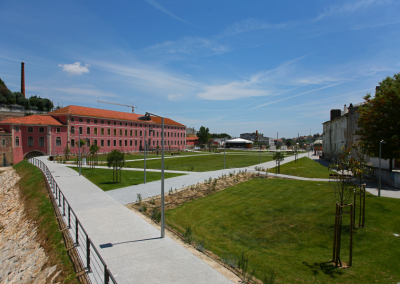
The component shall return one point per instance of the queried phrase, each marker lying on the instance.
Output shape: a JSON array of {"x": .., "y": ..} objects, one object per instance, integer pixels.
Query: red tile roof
[
  {"x": 110, "y": 114},
  {"x": 32, "y": 120},
  {"x": 192, "y": 138}
]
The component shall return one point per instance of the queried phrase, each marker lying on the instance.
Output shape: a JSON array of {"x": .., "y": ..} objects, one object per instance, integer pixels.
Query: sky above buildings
[{"x": 232, "y": 66}]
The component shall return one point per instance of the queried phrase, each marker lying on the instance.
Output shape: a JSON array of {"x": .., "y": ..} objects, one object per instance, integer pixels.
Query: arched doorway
[{"x": 33, "y": 154}]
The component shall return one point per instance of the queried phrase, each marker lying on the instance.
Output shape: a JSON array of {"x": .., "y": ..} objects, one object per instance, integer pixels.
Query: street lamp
[
  {"x": 147, "y": 117},
  {"x": 295, "y": 156},
  {"x": 380, "y": 154},
  {"x": 145, "y": 150},
  {"x": 224, "y": 154}
]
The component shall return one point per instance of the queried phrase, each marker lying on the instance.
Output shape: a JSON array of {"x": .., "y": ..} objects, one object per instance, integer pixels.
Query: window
[
  {"x": 16, "y": 128},
  {"x": 41, "y": 141},
  {"x": 126, "y": 132},
  {"x": 140, "y": 133},
  {"x": 120, "y": 132},
  {"x": 30, "y": 141},
  {"x": 58, "y": 141},
  {"x": 115, "y": 143},
  {"x": 130, "y": 143},
  {"x": 102, "y": 131},
  {"x": 80, "y": 120},
  {"x": 120, "y": 123},
  {"x": 135, "y": 124},
  {"x": 72, "y": 119},
  {"x": 115, "y": 123},
  {"x": 126, "y": 124},
  {"x": 95, "y": 131},
  {"x": 102, "y": 143},
  {"x": 95, "y": 142},
  {"x": 115, "y": 132},
  {"x": 135, "y": 142},
  {"x": 109, "y": 131},
  {"x": 73, "y": 129},
  {"x": 72, "y": 142},
  {"x": 135, "y": 133},
  {"x": 88, "y": 120},
  {"x": 95, "y": 121},
  {"x": 131, "y": 126},
  {"x": 126, "y": 143},
  {"x": 109, "y": 122},
  {"x": 157, "y": 133},
  {"x": 88, "y": 142},
  {"x": 88, "y": 130},
  {"x": 157, "y": 142},
  {"x": 140, "y": 125},
  {"x": 58, "y": 130},
  {"x": 168, "y": 134},
  {"x": 17, "y": 141},
  {"x": 108, "y": 143},
  {"x": 3, "y": 142},
  {"x": 131, "y": 134},
  {"x": 120, "y": 143},
  {"x": 30, "y": 129},
  {"x": 80, "y": 130}
]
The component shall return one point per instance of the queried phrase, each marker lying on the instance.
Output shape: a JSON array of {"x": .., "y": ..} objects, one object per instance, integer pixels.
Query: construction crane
[{"x": 119, "y": 105}]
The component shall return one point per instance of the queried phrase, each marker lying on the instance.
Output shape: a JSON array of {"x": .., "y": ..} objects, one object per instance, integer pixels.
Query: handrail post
[
  {"x": 106, "y": 275},
  {"x": 87, "y": 253},
  {"x": 69, "y": 216},
  {"x": 63, "y": 205},
  {"x": 76, "y": 231},
  {"x": 59, "y": 196}
]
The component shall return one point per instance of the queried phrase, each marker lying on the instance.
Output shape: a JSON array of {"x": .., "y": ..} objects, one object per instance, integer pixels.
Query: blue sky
[{"x": 232, "y": 66}]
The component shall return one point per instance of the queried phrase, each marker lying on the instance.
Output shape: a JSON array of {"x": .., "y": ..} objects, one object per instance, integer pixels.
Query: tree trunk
[{"x": 391, "y": 164}]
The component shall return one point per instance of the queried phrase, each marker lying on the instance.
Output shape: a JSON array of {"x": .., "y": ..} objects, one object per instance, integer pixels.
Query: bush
[
  {"x": 188, "y": 237},
  {"x": 156, "y": 215}
]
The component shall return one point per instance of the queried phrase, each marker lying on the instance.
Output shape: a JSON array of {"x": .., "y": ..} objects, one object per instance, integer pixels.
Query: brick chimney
[{"x": 23, "y": 78}]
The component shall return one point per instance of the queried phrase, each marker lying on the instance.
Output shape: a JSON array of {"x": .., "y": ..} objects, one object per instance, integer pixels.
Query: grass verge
[
  {"x": 204, "y": 163},
  {"x": 288, "y": 225},
  {"x": 39, "y": 208},
  {"x": 103, "y": 177},
  {"x": 305, "y": 167}
]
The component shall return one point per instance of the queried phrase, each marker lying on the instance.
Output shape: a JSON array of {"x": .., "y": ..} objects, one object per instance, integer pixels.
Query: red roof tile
[
  {"x": 110, "y": 114},
  {"x": 192, "y": 138},
  {"x": 32, "y": 120}
]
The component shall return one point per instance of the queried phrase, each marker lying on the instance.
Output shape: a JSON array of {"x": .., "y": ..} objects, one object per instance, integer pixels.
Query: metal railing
[{"x": 95, "y": 264}]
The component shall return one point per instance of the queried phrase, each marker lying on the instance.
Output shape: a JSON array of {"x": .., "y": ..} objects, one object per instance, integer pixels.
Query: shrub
[
  {"x": 201, "y": 245},
  {"x": 156, "y": 215},
  {"x": 152, "y": 201},
  {"x": 230, "y": 259},
  {"x": 187, "y": 236},
  {"x": 269, "y": 279},
  {"x": 139, "y": 198}
]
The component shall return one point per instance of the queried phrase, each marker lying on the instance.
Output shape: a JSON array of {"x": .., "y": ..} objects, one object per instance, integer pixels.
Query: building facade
[
  {"x": 255, "y": 137},
  {"x": 53, "y": 132}
]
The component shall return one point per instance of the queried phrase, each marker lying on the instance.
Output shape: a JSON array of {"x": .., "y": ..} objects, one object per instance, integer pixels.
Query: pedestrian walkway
[{"x": 131, "y": 247}]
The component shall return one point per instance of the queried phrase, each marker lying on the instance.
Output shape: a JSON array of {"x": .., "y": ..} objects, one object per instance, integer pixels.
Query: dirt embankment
[{"x": 22, "y": 258}]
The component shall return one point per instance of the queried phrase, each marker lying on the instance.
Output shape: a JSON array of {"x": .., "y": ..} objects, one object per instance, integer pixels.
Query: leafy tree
[
  {"x": 93, "y": 151},
  {"x": 278, "y": 157},
  {"x": 3, "y": 99},
  {"x": 67, "y": 151},
  {"x": 220, "y": 135},
  {"x": 116, "y": 160},
  {"x": 380, "y": 120},
  {"x": 204, "y": 135},
  {"x": 289, "y": 142}
]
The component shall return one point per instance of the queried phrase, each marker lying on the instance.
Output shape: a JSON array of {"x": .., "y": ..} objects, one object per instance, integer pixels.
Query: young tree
[
  {"x": 116, "y": 160},
  {"x": 278, "y": 157},
  {"x": 204, "y": 135},
  {"x": 379, "y": 120},
  {"x": 93, "y": 151},
  {"x": 66, "y": 153}
]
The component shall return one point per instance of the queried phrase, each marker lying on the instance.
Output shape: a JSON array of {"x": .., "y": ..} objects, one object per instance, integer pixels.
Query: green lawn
[
  {"x": 288, "y": 226},
  {"x": 103, "y": 177},
  {"x": 204, "y": 163},
  {"x": 305, "y": 167}
]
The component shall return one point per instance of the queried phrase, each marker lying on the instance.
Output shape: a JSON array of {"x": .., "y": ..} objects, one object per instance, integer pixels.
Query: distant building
[
  {"x": 255, "y": 137},
  {"x": 191, "y": 132},
  {"x": 239, "y": 143}
]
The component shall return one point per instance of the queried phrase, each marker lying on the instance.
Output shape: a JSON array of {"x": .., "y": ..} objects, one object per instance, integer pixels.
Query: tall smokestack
[{"x": 23, "y": 78}]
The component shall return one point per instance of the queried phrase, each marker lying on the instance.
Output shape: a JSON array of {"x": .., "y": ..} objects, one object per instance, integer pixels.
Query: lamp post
[
  {"x": 145, "y": 151},
  {"x": 380, "y": 154},
  {"x": 295, "y": 155},
  {"x": 147, "y": 117},
  {"x": 224, "y": 154}
]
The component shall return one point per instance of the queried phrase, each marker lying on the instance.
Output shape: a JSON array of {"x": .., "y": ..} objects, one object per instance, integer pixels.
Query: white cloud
[
  {"x": 165, "y": 11},
  {"x": 175, "y": 97},
  {"x": 75, "y": 68},
  {"x": 231, "y": 91},
  {"x": 249, "y": 25},
  {"x": 85, "y": 92}
]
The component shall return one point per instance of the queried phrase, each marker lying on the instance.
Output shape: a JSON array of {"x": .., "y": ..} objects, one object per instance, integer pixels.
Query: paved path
[{"x": 135, "y": 252}]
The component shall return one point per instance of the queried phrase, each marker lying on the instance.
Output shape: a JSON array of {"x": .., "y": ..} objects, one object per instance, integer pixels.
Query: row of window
[
  {"x": 41, "y": 141},
  {"x": 41, "y": 129},
  {"x": 122, "y": 131},
  {"x": 155, "y": 143},
  {"x": 88, "y": 120}
]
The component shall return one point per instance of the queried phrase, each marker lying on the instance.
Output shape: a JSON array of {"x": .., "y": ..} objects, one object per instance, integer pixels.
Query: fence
[{"x": 95, "y": 265}]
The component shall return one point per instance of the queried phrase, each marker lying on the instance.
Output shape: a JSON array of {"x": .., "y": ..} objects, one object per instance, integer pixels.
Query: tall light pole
[
  {"x": 147, "y": 117},
  {"x": 145, "y": 150},
  {"x": 380, "y": 154},
  {"x": 224, "y": 154}
]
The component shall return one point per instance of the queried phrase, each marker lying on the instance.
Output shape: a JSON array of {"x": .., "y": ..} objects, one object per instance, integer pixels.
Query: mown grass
[
  {"x": 204, "y": 163},
  {"x": 103, "y": 178},
  {"x": 305, "y": 167},
  {"x": 40, "y": 209},
  {"x": 288, "y": 226}
]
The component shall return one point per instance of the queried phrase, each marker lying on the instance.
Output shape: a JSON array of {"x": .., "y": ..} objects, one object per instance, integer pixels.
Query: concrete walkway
[{"x": 131, "y": 247}]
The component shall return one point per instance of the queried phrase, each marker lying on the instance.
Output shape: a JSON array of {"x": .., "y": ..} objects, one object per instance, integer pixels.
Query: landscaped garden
[
  {"x": 203, "y": 163},
  {"x": 287, "y": 226},
  {"x": 304, "y": 167},
  {"x": 103, "y": 178}
]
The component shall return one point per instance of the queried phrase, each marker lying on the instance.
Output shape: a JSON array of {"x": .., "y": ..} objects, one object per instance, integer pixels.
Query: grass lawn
[
  {"x": 288, "y": 226},
  {"x": 304, "y": 168},
  {"x": 204, "y": 163},
  {"x": 103, "y": 177}
]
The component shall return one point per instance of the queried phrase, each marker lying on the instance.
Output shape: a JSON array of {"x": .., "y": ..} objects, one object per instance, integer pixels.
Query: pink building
[{"x": 52, "y": 132}]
